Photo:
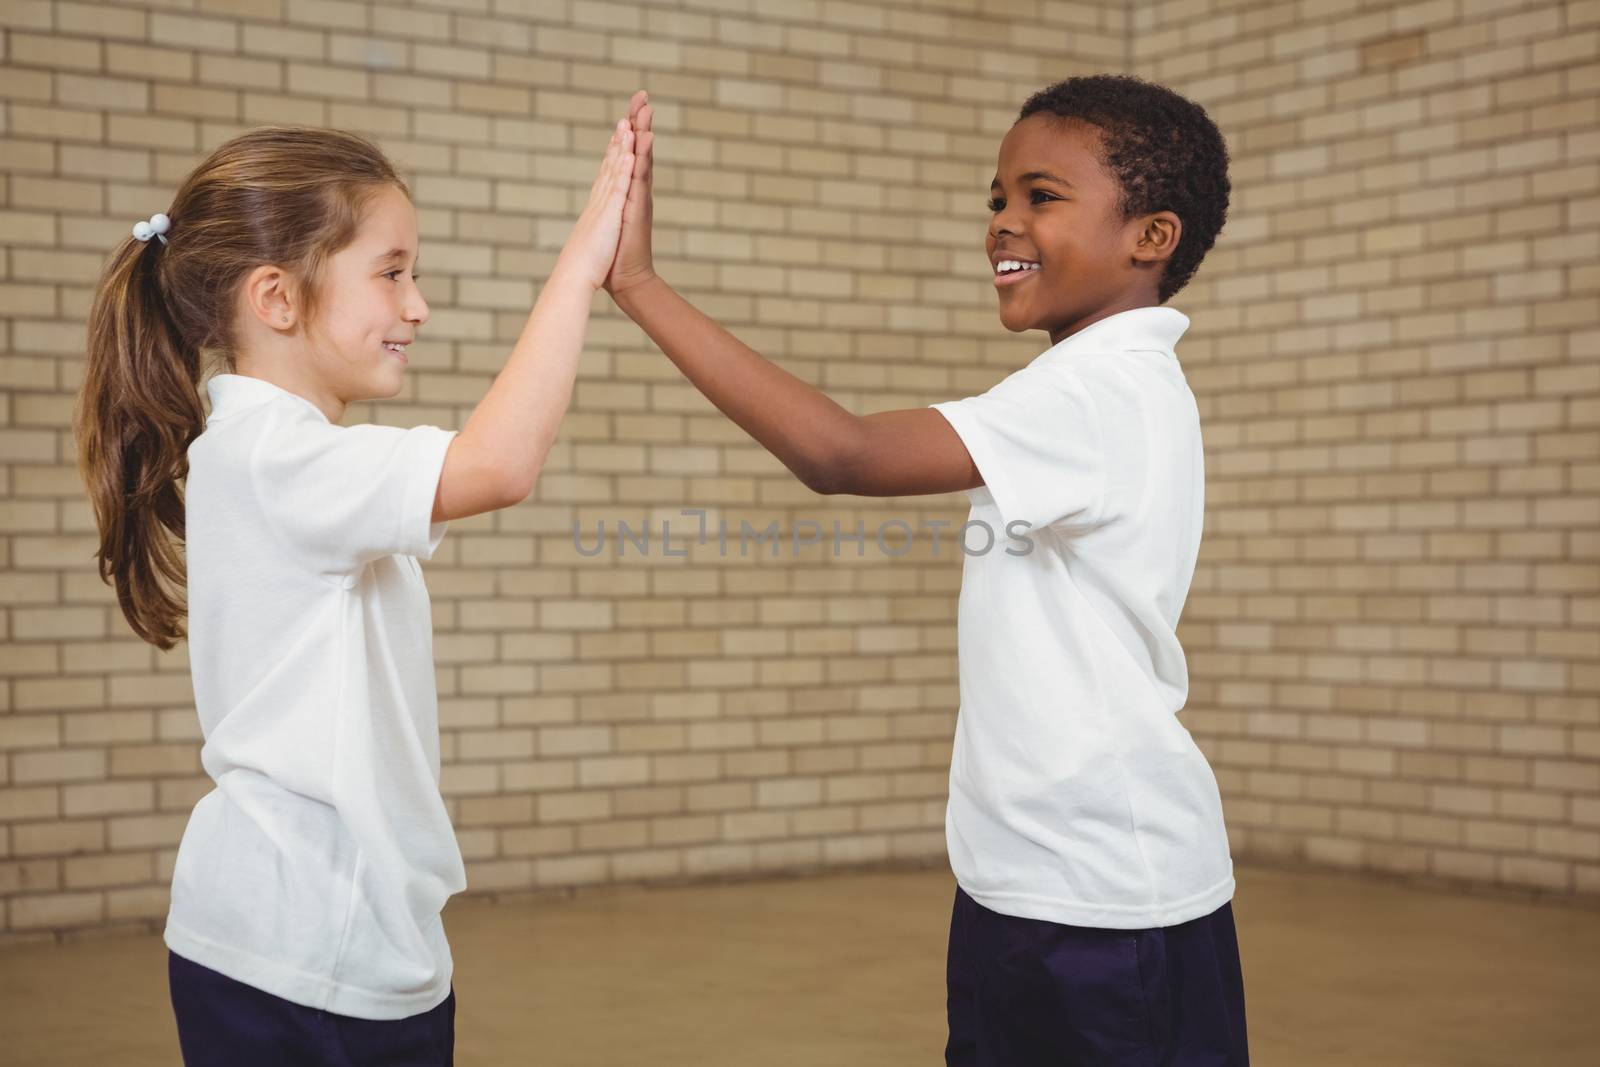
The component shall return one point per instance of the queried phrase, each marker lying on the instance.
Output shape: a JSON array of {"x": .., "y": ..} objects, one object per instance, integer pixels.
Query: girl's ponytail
[
  {"x": 138, "y": 410},
  {"x": 282, "y": 195}
]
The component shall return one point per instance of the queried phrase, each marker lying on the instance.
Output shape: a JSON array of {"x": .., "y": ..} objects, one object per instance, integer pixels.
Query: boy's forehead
[{"x": 1043, "y": 143}]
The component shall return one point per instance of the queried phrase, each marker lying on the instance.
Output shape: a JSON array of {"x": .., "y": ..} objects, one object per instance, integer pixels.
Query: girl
[{"x": 306, "y": 895}]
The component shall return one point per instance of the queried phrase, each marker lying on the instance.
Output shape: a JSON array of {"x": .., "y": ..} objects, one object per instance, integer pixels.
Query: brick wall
[{"x": 1394, "y": 631}]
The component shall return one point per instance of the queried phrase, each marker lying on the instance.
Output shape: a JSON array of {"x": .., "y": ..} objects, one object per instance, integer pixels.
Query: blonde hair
[{"x": 282, "y": 195}]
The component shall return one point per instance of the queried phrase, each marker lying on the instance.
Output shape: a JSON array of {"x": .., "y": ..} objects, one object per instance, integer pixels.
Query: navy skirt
[
  {"x": 1024, "y": 992},
  {"x": 223, "y": 1022}
]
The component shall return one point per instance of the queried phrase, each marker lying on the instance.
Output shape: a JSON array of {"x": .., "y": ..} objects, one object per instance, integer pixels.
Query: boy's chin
[{"x": 1017, "y": 321}]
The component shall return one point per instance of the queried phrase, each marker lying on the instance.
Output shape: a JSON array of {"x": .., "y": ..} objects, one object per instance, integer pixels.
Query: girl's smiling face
[
  {"x": 1055, "y": 212},
  {"x": 370, "y": 307}
]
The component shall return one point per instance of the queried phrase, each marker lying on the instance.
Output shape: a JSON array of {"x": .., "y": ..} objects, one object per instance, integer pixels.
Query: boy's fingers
[
  {"x": 636, "y": 103},
  {"x": 641, "y": 156}
]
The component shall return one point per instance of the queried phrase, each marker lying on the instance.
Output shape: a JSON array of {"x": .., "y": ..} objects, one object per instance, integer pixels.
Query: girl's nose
[{"x": 417, "y": 310}]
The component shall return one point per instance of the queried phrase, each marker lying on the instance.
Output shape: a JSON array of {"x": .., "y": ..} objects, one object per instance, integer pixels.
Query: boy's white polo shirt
[
  {"x": 318, "y": 866},
  {"x": 1076, "y": 795}
]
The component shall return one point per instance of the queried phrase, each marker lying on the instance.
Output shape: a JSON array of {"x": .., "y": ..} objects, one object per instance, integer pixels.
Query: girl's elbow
[{"x": 517, "y": 489}]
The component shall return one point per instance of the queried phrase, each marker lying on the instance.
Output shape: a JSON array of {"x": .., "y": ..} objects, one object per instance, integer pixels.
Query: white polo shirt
[
  {"x": 1076, "y": 795},
  {"x": 317, "y": 868}
]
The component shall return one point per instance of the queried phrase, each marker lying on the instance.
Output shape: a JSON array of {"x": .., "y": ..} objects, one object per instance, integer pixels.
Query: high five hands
[
  {"x": 591, "y": 247},
  {"x": 633, "y": 265}
]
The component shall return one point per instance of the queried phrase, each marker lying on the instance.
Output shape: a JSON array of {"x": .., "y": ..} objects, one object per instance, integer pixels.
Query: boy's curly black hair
[{"x": 1162, "y": 148}]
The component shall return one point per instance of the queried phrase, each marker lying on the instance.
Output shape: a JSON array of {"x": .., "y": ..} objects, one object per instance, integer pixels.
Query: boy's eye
[
  {"x": 998, "y": 203},
  {"x": 392, "y": 273}
]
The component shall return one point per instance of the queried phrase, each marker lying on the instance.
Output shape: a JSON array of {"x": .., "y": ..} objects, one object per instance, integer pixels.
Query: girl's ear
[{"x": 269, "y": 292}]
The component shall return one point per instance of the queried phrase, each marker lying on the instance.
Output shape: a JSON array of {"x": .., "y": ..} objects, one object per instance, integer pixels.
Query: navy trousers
[
  {"x": 223, "y": 1022},
  {"x": 1027, "y": 993}
]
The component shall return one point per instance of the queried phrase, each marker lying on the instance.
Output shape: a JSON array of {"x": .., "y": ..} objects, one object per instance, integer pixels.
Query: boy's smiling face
[{"x": 1055, "y": 211}]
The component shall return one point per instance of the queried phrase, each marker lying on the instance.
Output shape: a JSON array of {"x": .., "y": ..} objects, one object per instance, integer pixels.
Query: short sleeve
[
  {"x": 342, "y": 496},
  {"x": 1036, "y": 439}
]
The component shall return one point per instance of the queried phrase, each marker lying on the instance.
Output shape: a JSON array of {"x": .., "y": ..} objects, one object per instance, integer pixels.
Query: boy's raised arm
[{"x": 831, "y": 450}]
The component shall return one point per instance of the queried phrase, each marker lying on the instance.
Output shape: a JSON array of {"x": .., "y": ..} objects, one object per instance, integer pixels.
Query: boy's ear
[{"x": 1158, "y": 239}]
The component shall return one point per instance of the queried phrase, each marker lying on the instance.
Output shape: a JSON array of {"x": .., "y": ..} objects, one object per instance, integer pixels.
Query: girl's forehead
[
  {"x": 388, "y": 206},
  {"x": 389, "y": 222}
]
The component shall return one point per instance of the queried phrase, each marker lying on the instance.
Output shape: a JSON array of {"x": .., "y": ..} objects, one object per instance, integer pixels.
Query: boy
[{"x": 1092, "y": 922}]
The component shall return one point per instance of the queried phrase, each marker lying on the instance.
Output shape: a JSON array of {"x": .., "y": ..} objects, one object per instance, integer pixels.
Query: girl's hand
[
  {"x": 633, "y": 263},
  {"x": 592, "y": 245}
]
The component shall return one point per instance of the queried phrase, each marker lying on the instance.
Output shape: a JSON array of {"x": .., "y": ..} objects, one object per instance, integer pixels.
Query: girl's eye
[
  {"x": 392, "y": 273},
  {"x": 996, "y": 204}
]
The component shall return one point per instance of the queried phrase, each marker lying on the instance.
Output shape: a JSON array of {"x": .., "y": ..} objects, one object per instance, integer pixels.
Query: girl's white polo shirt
[
  {"x": 1076, "y": 795},
  {"x": 318, "y": 866}
]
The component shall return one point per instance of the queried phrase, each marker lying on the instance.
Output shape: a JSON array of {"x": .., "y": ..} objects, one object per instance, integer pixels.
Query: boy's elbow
[
  {"x": 823, "y": 486},
  {"x": 835, "y": 467},
  {"x": 827, "y": 475}
]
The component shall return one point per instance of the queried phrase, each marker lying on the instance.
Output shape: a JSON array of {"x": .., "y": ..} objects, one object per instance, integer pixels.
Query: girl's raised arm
[{"x": 496, "y": 458}]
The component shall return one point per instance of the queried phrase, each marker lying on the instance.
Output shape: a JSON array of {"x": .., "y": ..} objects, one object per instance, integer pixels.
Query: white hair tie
[{"x": 158, "y": 225}]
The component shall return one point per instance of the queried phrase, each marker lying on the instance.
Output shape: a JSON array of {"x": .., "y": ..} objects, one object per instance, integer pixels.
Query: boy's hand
[
  {"x": 633, "y": 264},
  {"x": 592, "y": 244}
]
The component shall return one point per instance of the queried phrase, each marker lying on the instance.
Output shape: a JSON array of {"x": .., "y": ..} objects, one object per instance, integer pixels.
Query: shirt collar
[
  {"x": 1146, "y": 329},
  {"x": 233, "y": 393}
]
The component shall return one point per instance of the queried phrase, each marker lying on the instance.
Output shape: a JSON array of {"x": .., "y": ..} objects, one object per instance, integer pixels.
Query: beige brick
[
  {"x": 202, "y": 103},
  {"x": 58, "y": 53},
  {"x": 188, "y": 31},
  {"x": 59, "y": 838},
  {"x": 56, "y": 910},
  {"x": 99, "y": 20},
  {"x": 342, "y": 14},
  {"x": 309, "y": 80},
  {"x": 95, "y": 872},
  {"x": 145, "y": 902},
  {"x": 241, "y": 72},
  {"x": 283, "y": 42},
  {"x": 151, "y": 132}
]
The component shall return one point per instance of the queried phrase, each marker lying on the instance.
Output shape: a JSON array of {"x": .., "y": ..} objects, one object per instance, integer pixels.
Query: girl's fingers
[
  {"x": 616, "y": 172},
  {"x": 623, "y": 163},
  {"x": 624, "y": 174},
  {"x": 621, "y": 138}
]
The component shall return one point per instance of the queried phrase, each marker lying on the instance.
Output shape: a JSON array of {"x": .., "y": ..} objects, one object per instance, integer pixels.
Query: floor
[{"x": 848, "y": 969}]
